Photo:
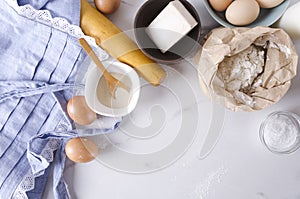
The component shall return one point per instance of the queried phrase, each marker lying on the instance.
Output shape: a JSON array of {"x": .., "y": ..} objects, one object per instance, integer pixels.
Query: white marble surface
[{"x": 134, "y": 163}]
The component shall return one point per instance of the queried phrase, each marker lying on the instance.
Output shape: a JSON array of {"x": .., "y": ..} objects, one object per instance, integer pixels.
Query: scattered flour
[{"x": 203, "y": 189}]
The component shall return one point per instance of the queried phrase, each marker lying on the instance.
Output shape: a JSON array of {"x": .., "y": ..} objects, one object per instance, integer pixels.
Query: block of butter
[{"x": 172, "y": 23}]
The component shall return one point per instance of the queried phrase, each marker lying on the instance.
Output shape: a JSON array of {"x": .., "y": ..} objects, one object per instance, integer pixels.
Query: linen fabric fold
[{"x": 37, "y": 77}]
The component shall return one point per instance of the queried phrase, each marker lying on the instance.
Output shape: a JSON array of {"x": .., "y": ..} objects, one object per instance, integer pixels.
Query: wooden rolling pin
[{"x": 118, "y": 44}]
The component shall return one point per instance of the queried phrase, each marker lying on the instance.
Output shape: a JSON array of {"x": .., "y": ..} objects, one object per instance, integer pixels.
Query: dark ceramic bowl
[{"x": 182, "y": 49}]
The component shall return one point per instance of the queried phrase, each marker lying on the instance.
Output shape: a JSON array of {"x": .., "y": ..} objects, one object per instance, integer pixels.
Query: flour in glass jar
[{"x": 281, "y": 132}]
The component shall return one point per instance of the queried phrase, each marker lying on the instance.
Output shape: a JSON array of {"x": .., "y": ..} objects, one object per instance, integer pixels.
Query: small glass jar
[{"x": 280, "y": 132}]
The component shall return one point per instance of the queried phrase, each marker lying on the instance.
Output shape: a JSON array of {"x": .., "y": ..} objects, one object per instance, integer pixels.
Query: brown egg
[
  {"x": 107, "y": 6},
  {"x": 268, "y": 3},
  {"x": 79, "y": 111},
  {"x": 242, "y": 12},
  {"x": 81, "y": 150},
  {"x": 219, "y": 5}
]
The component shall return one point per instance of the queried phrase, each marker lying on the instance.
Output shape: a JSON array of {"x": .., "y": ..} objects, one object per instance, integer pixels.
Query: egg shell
[
  {"x": 242, "y": 12},
  {"x": 81, "y": 150},
  {"x": 107, "y": 6},
  {"x": 269, "y": 3},
  {"x": 220, "y": 5},
  {"x": 80, "y": 112}
]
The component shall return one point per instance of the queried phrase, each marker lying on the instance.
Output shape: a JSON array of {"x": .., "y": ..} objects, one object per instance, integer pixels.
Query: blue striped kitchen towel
[{"x": 39, "y": 59}]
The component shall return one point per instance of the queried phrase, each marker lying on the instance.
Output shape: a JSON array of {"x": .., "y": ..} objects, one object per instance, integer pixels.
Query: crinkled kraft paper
[{"x": 280, "y": 65}]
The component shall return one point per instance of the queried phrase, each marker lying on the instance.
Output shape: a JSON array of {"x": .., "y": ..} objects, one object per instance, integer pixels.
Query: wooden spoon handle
[{"x": 94, "y": 57}]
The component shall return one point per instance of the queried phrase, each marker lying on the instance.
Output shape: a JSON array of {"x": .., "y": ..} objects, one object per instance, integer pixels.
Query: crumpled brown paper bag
[{"x": 280, "y": 65}]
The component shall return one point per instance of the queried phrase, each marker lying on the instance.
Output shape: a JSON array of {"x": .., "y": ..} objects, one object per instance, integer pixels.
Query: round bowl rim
[
  {"x": 263, "y": 124},
  {"x": 166, "y": 61},
  {"x": 92, "y": 78}
]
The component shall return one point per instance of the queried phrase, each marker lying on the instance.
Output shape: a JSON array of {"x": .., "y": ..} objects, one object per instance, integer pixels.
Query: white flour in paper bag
[{"x": 247, "y": 69}]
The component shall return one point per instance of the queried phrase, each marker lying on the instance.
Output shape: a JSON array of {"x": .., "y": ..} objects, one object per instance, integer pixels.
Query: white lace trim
[
  {"x": 45, "y": 17},
  {"x": 28, "y": 181}
]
